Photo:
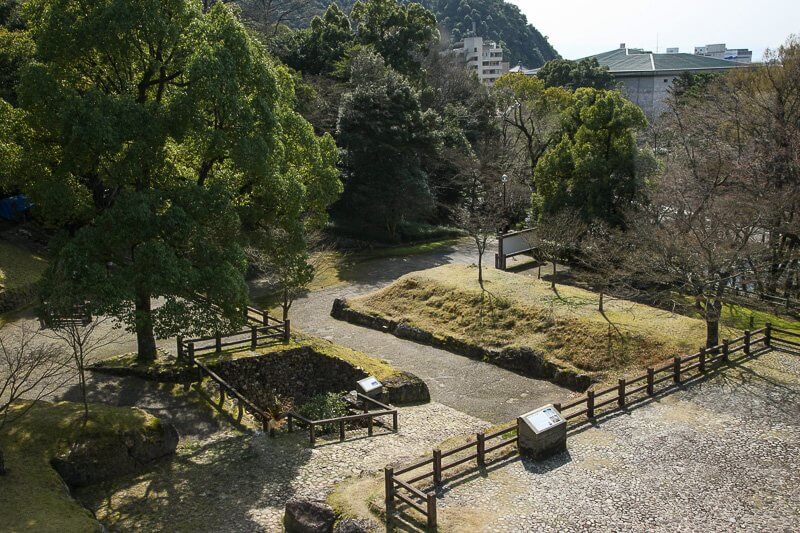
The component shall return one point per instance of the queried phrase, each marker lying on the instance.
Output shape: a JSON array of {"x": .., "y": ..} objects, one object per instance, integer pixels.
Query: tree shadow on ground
[
  {"x": 220, "y": 485},
  {"x": 190, "y": 413}
]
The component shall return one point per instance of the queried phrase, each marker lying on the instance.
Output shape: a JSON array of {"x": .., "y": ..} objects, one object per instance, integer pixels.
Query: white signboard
[
  {"x": 543, "y": 419},
  {"x": 369, "y": 384},
  {"x": 518, "y": 242}
]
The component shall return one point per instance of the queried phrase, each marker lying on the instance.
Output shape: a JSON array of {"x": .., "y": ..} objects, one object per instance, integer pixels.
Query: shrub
[{"x": 321, "y": 406}]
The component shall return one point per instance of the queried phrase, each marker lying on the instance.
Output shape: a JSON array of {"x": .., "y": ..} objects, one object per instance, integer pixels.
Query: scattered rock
[
  {"x": 355, "y": 525},
  {"x": 308, "y": 516}
]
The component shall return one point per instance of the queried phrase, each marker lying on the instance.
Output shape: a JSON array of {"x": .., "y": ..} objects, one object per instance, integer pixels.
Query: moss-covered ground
[
  {"x": 32, "y": 495},
  {"x": 18, "y": 266},
  {"x": 565, "y": 325}
]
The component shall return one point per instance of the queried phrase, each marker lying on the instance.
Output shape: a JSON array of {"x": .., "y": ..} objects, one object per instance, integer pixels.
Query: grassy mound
[
  {"x": 18, "y": 266},
  {"x": 32, "y": 495},
  {"x": 519, "y": 311}
]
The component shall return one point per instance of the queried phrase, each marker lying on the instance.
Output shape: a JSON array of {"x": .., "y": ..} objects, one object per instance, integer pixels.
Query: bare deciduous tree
[
  {"x": 84, "y": 338},
  {"x": 30, "y": 369},
  {"x": 556, "y": 238}
]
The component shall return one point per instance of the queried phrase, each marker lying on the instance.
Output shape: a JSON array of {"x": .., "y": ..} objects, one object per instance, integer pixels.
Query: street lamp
[{"x": 504, "y": 179}]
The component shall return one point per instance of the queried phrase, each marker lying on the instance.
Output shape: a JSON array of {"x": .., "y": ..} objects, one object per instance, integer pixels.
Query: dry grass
[{"x": 565, "y": 325}]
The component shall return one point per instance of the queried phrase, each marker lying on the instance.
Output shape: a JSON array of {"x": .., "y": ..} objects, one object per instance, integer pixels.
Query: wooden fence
[
  {"x": 777, "y": 301},
  {"x": 261, "y": 327},
  {"x": 241, "y": 401},
  {"x": 341, "y": 422},
  {"x": 587, "y": 407}
]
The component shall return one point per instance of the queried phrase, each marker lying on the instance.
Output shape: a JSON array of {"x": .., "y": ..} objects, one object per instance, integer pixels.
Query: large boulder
[
  {"x": 308, "y": 516},
  {"x": 95, "y": 458}
]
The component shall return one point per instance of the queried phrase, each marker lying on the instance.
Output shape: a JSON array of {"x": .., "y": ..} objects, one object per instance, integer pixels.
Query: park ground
[{"x": 228, "y": 477}]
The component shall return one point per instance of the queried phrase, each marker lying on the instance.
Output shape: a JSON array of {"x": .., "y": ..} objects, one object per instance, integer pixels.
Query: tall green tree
[
  {"x": 401, "y": 33},
  {"x": 318, "y": 48},
  {"x": 383, "y": 133},
  {"x": 596, "y": 168},
  {"x": 575, "y": 74},
  {"x": 162, "y": 139}
]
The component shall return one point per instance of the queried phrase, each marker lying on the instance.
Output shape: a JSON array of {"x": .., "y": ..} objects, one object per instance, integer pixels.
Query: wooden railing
[
  {"x": 262, "y": 327},
  {"x": 241, "y": 401},
  {"x": 587, "y": 407},
  {"x": 435, "y": 467},
  {"x": 370, "y": 416},
  {"x": 679, "y": 370}
]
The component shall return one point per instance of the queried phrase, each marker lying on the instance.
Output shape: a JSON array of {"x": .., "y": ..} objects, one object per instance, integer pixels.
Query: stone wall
[{"x": 522, "y": 360}]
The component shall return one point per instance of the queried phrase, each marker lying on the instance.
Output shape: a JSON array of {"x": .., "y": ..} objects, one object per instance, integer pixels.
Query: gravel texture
[
  {"x": 235, "y": 482},
  {"x": 721, "y": 455}
]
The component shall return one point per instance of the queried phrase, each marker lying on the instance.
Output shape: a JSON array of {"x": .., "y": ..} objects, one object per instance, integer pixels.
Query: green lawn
[
  {"x": 565, "y": 326},
  {"x": 18, "y": 266},
  {"x": 32, "y": 495}
]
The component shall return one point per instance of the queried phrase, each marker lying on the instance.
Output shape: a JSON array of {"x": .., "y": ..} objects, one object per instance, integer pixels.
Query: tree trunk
[
  {"x": 145, "y": 339},
  {"x": 286, "y": 305},
  {"x": 600, "y": 307},
  {"x": 480, "y": 269},
  {"x": 553, "y": 280},
  {"x": 713, "y": 312}
]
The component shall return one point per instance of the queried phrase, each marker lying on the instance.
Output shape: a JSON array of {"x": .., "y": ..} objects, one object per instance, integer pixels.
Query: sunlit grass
[{"x": 18, "y": 266}]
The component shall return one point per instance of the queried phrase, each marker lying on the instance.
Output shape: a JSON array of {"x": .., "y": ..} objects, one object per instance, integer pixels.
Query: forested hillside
[{"x": 494, "y": 19}]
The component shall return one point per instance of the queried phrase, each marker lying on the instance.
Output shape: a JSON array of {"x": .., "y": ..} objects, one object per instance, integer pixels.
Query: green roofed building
[{"x": 646, "y": 77}]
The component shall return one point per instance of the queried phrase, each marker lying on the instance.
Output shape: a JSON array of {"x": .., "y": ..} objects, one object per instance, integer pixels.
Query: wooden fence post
[
  {"x": 286, "y": 331},
  {"x": 747, "y": 342},
  {"x": 266, "y": 318},
  {"x": 388, "y": 477},
  {"x": 437, "y": 466},
  {"x": 481, "y": 449},
  {"x": 289, "y": 423},
  {"x": 180, "y": 347},
  {"x": 394, "y": 421},
  {"x": 590, "y": 404},
  {"x": 253, "y": 337},
  {"x": 676, "y": 372},
  {"x": 217, "y": 341},
  {"x": 191, "y": 353},
  {"x": 369, "y": 425},
  {"x": 221, "y": 397},
  {"x": 311, "y": 434},
  {"x": 702, "y": 360},
  {"x": 768, "y": 334},
  {"x": 621, "y": 393},
  {"x": 651, "y": 372},
  {"x": 431, "y": 497},
  {"x": 341, "y": 430},
  {"x": 726, "y": 348},
  {"x": 557, "y": 406}
]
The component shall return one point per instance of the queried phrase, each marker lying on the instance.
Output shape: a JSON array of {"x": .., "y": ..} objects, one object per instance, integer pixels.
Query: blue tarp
[{"x": 14, "y": 207}]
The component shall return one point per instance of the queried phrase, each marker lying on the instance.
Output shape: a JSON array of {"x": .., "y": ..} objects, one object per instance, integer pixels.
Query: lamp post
[{"x": 504, "y": 179}]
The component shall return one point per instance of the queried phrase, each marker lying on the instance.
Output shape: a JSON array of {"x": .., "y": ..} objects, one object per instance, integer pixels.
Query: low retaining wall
[
  {"x": 522, "y": 360},
  {"x": 297, "y": 373}
]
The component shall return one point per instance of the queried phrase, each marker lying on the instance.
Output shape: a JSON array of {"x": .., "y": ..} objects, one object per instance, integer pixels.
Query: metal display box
[{"x": 542, "y": 433}]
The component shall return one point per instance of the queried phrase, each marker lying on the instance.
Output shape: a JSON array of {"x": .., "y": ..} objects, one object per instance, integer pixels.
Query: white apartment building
[
  {"x": 721, "y": 51},
  {"x": 483, "y": 57}
]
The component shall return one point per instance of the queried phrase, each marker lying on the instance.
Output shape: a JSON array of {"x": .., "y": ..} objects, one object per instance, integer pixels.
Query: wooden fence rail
[
  {"x": 293, "y": 418},
  {"x": 625, "y": 392}
]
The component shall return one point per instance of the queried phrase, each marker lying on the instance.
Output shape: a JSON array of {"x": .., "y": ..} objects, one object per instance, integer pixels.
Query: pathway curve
[{"x": 476, "y": 388}]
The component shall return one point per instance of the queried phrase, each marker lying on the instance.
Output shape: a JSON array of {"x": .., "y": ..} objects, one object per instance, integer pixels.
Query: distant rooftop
[{"x": 634, "y": 60}]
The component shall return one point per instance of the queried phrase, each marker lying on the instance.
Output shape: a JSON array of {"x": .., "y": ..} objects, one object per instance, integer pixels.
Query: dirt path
[{"x": 479, "y": 389}]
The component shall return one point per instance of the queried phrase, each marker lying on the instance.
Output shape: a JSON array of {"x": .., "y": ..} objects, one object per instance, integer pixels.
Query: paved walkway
[{"x": 479, "y": 389}]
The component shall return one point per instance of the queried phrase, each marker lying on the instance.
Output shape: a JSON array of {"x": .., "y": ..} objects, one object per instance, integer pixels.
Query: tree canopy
[
  {"x": 162, "y": 140},
  {"x": 575, "y": 74}
]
